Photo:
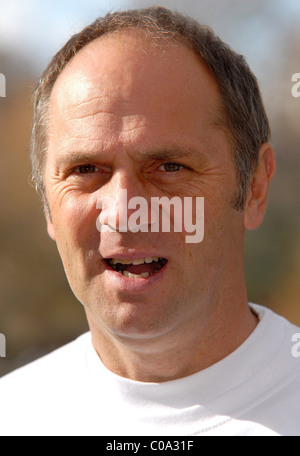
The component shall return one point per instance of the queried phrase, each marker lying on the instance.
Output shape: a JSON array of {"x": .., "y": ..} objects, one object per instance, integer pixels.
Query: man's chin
[{"x": 133, "y": 322}]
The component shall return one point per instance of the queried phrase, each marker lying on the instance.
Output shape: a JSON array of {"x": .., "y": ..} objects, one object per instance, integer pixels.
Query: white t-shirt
[{"x": 253, "y": 391}]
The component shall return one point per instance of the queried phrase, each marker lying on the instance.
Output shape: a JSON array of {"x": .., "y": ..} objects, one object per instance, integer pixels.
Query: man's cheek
[{"x": 76, "y": 218}]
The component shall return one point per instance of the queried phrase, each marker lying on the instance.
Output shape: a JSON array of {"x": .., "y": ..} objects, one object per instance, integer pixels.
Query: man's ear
[
  {"x": 50, "y": 227},
  {"x": 256, "y": 201}
]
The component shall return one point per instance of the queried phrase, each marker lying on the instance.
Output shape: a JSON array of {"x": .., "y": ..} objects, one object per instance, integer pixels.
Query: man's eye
[
  {"x": 86, "y": 169},
  {"x": 171, "y": 167}
]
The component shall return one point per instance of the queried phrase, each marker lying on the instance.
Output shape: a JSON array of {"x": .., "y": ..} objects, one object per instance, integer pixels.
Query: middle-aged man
[{"x": 151, "y": 103}]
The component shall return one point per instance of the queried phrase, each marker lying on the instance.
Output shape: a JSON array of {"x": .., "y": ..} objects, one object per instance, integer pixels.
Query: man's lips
[
  {"x": 136, "y": 268},
  {"x": 130, "y": 282}
]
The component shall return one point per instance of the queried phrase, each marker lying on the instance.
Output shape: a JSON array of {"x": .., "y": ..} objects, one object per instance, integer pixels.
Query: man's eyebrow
[
  {"x": 161, "y": 153},
  {"x": 170, "y": 153},
  {"x": 76, "y": 158}
]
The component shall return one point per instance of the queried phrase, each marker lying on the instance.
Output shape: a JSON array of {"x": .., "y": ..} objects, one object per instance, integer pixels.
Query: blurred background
[{"x": 38, "y": 312}]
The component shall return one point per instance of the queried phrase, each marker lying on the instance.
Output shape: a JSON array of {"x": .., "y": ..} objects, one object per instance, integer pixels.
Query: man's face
[{"x": 125, "y": 116}]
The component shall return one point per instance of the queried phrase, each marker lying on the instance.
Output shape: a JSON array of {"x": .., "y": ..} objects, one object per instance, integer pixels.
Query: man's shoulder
[
  {"x": 44, "y": 395},
  {"x": 275, "y": 377},
  {"x": 278, "y": 341},
  {"x": 65, "y": 359},
  {"x": 271, "y": 317}
]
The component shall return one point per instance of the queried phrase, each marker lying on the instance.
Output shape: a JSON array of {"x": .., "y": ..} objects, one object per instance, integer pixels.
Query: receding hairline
[
  {"x": 150, "y": 42},
  {"x": 158, "y": 42}
]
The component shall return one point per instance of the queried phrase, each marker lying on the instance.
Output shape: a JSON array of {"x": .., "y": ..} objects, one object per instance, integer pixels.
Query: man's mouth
[{"x": 138, "y": 268}]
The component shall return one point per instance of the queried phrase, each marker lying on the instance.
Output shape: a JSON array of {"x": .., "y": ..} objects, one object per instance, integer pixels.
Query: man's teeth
[
  {"x": 144, "y": 275},
  {"x": 120, "y": 266},
  {"x": 135, "y": 262}
]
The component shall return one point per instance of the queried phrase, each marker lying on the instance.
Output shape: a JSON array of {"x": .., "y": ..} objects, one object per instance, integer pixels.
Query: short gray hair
[{"x": 244, "y": 115}]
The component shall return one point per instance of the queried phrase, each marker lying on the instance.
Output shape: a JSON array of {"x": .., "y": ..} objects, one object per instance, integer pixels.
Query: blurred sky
[{"x": 35, "y": 29}]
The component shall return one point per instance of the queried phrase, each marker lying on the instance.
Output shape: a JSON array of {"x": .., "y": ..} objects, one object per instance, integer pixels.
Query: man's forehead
[
  {"x": 104, "y": 54},
  {"x": 119, "y": 61}
]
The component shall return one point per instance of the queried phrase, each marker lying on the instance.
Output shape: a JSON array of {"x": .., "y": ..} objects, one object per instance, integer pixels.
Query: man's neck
[{"x": 166, "y": 358}]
